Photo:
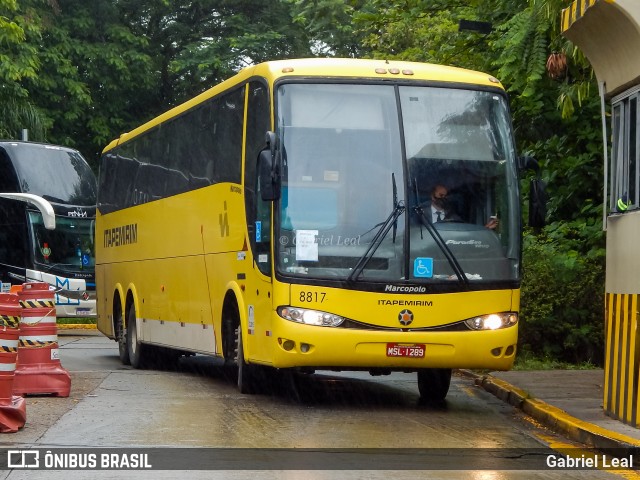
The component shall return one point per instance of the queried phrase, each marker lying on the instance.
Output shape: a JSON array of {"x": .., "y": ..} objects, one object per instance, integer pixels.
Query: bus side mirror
[
  {"x": 537, "y": 194},
  {"x": 527, "y": 162},
  {"x": 537, "y": 203},
  {"x": 269, "y": 171}
]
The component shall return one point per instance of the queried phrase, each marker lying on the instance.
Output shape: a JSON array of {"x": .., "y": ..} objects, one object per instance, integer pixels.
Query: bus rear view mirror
[
  {"x": 45, "y": 208},
  {"x": 268, "y": 171}
]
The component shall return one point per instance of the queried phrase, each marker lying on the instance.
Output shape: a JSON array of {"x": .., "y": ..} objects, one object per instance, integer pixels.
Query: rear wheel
[
  {"x": 135, "y": 349},
  {"x": 121, "y": 336},
  {"x": 433, "y": 384}
]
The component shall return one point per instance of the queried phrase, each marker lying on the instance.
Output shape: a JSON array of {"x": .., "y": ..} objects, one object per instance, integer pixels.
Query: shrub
[{"x": 562, "y": 301}]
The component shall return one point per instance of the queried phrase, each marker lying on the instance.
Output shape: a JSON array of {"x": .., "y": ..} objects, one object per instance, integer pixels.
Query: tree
[
  {"x": 94, "y": 77},
  {"x": 108, "y": 66},
  {"x": 329, "y": 28},
  {"x": 19, "y": 32}
]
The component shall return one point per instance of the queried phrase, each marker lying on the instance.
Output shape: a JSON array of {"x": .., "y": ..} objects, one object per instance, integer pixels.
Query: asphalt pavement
[{"x": 567, "y": 401}]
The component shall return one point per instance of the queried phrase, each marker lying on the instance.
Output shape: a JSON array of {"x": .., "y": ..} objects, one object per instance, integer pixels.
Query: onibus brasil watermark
[{"x": 57, "y": 460}]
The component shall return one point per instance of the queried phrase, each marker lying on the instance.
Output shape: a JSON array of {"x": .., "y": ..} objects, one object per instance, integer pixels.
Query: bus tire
[
  {"x": 433, "y": 384},
  {"x": 121, "y": 336},
  {"x": 135, "y": 348},
  {"x": 246, "y": 372}
]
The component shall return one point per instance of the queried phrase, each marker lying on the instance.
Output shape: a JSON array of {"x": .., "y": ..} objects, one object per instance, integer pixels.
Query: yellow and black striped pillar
[
  {"x": 622, "y": 358},
  {"x": 575, "y": 11}
]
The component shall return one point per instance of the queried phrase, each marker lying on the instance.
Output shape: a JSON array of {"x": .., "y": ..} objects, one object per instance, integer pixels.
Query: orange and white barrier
[
  {"x": 13, "y": 412},
  {"x": 38, "y": 369}
]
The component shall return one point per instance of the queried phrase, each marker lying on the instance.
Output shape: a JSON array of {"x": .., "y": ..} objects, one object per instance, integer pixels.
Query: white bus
[{"x": 38, "y": 181}]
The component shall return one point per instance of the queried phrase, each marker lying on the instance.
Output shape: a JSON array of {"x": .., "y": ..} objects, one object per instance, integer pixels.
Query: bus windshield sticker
[
  {"x": 306, "y": 245},
  {"x": 258, "y": 231},
  {"x": 46, "y": 251},
  {"x": 251, "y": 320},
  {"x": 423, "y": 267}
]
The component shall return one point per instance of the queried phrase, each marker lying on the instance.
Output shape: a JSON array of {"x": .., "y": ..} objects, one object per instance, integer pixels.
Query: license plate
[
  {"x": 404, "y": 350},
  {"x": 83, "y": 311}
]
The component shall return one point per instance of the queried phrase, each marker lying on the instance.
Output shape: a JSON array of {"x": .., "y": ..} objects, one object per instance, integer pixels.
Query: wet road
[{"x": 198, "y": 406}]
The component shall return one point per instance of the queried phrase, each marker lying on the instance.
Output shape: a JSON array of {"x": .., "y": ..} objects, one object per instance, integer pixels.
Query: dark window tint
[
  {"x": 58, "y": 174},
  {"x": 201, "y": 147}
]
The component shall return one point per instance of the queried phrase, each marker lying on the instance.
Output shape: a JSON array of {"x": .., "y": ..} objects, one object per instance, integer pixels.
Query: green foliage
[
  {"x": 527, "y": 361},
  {"x": 18, "y": 114},
  {"x": 562, "y": 295},
  {"x": 19, "y": 34},
  {"x": 328, "y": 26},
  {"x": 421, "y": 30}
]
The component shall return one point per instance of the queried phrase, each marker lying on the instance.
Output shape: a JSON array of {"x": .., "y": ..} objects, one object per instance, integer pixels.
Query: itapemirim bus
[
  {"x": 281, "y": 220},
  {"x": 47, "y": 220}
]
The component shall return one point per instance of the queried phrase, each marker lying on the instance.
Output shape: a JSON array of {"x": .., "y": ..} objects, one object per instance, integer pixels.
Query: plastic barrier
[
  {"x": 38, "y": 368},
  {"x": 13, "y": 410}
]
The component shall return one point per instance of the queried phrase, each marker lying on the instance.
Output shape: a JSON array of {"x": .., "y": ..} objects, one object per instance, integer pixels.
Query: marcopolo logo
[{"x": 405, "y": 289}]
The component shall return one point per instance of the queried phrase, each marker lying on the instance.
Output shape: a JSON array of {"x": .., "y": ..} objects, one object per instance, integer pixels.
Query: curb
[
  {"x": 77, "y": 326},
  {"x": 555, "y": 418},
  {"x": 78, "y": 329}
]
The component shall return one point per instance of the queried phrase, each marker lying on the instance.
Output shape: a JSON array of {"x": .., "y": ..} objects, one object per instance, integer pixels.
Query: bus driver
[{"x": 440, "y": 210}]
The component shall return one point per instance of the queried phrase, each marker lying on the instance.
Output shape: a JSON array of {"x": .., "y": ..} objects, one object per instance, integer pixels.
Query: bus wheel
[
  {"x": 135, "y": 349},
  {"x": 433, "y": 383},
  {"x": 246, "y": 372},
  {"x": 121, "y": 337}
]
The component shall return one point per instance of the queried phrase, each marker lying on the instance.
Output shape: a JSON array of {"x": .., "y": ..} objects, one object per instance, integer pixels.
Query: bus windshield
[
  {"x": 55, "y": 173},
  {"x": 364, "y": 168},
  {"x": 67, "y": 249}
]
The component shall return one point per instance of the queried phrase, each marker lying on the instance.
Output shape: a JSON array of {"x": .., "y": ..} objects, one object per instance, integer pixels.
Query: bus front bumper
[{"x": 298, "y": 345}]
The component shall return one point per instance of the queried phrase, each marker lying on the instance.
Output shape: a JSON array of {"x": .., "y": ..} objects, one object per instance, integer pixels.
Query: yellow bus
[{"x": 283, "y": 219}]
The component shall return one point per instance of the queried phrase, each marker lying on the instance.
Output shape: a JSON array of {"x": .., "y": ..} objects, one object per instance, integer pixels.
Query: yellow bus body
[{"x": 178, "y": 258}]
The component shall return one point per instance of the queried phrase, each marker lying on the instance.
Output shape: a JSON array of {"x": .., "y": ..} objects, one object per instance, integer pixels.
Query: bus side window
[{"x": 258, "y": 212}]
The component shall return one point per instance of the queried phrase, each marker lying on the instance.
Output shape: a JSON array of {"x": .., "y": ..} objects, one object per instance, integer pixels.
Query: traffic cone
[
  {"x": 13, "y": 410},
  {"x": 38, "y": 368}
]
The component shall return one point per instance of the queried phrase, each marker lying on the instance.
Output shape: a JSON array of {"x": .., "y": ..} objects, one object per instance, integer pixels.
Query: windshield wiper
[
  {"x": 457, "y": 269},
  {"x": 391, "y": 221}
]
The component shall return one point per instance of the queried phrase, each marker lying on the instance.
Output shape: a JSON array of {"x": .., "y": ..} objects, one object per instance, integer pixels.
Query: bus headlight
[
  {"x": 310, "y": 317},
  {"x": 493, "y": 321}
]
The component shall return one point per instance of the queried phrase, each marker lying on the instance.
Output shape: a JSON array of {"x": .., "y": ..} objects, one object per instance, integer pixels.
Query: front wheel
[
  {"x": 247, "y": 373},
  {"x": 433, "y": 384}
]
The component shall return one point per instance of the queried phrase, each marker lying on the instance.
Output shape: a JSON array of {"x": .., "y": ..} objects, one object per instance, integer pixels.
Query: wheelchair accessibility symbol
[{"x": 423, "y": 267}]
